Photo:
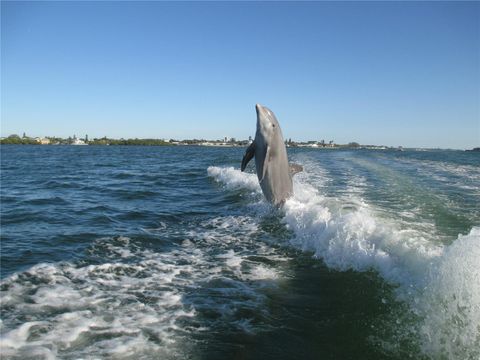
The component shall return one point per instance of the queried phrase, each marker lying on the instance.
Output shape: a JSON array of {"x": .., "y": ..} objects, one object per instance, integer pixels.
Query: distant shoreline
[{"x": 232, "y": 142}]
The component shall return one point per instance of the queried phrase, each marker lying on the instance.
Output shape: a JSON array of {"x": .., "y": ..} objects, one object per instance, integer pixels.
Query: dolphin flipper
[
  {"x": 249, "y": 153},
  {"x": 265, "y": 162},
  {"x": 294, "y": 168}
]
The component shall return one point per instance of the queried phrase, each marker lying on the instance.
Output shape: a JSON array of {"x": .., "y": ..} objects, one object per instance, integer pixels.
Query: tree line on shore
[
  {"x": 17, "y": 140},
  {"x": 50, "y": 140}
]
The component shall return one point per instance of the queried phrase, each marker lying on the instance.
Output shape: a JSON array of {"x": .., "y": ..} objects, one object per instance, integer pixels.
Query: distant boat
[{"x": 78, "y": 142}]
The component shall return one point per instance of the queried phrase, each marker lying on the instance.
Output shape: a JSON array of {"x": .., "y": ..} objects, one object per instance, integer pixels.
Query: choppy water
[{"x": 172, "y": 253}]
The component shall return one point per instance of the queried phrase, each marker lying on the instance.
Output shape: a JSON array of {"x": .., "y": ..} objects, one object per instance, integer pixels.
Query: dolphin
[{"x": 271, "y": 161}]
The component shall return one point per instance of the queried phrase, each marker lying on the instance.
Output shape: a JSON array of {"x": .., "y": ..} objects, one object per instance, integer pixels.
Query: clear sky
[{"x": 393, "y": 73}]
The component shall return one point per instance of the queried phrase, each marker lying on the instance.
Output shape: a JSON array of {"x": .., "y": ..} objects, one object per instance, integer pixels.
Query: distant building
[
  {"x": 44, "y": 141},
  {"x": 78, "y": 141}
]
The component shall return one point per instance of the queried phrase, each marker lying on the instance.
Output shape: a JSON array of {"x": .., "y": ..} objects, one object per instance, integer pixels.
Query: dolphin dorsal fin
[{"x": 294, "y": 168}]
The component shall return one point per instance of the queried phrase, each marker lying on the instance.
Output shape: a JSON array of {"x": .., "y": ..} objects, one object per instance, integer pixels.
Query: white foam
[
  {"x": 231, "y": 259},
  {"x": 96, "y": 301},
  {"x": 450, "y": 302},
  {"x": 234, "y": 179},
  {"x": 355, "y": 238},
  {"x": 81, "y": 303},
  {"x": 245, "y": 269},
  {"x": 262, "y": 272},
  {"x": 18, "y": 337},
  {"x": 137, "y": 305}
]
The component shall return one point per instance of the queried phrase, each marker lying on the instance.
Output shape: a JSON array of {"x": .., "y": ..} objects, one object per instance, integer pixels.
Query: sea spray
[{"x": 449, "y": 305}]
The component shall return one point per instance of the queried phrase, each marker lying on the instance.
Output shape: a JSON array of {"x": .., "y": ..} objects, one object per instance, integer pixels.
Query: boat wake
[
  {"x": 137, "y": 301},
  {"x": 169, "y": 289},
  {"x": 439, "y": 283}
]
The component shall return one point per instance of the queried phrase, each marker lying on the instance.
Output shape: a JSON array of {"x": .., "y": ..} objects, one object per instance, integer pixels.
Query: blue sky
[{"x": 394, "y": 73}]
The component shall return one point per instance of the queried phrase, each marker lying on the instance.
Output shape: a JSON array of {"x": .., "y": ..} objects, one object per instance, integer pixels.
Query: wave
[
  {"x": 438, "y": 282},
  {"x": 234, "y": 179}
]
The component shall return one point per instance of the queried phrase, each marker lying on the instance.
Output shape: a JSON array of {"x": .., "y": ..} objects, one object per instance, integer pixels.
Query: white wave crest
[
  {"x": 234, "y": 178},
  {"x": 450, "y": 303},
  {"x": 353, "y": 237}
]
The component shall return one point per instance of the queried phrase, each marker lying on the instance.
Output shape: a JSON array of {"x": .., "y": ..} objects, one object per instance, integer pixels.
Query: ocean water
[{"x": 172, "y": 253}]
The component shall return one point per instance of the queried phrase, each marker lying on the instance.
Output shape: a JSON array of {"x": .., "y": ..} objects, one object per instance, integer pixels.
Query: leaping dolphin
[{"x": 271, "y": 161}]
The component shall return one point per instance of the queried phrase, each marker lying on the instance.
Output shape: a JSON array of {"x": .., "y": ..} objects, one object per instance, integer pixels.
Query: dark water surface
[{"x": 172, "y": 253}]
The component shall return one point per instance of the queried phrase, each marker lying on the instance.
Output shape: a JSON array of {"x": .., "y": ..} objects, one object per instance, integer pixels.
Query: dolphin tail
[
  {"x": 249, "y": 153},
  {"x": 294, "y": 168}
]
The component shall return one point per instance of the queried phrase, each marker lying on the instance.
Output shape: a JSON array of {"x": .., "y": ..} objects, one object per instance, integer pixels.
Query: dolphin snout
[{"x": 258, "y": 108}]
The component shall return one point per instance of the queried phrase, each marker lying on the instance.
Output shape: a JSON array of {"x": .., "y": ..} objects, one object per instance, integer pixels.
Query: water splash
[{"x": 440, "y": 283}]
